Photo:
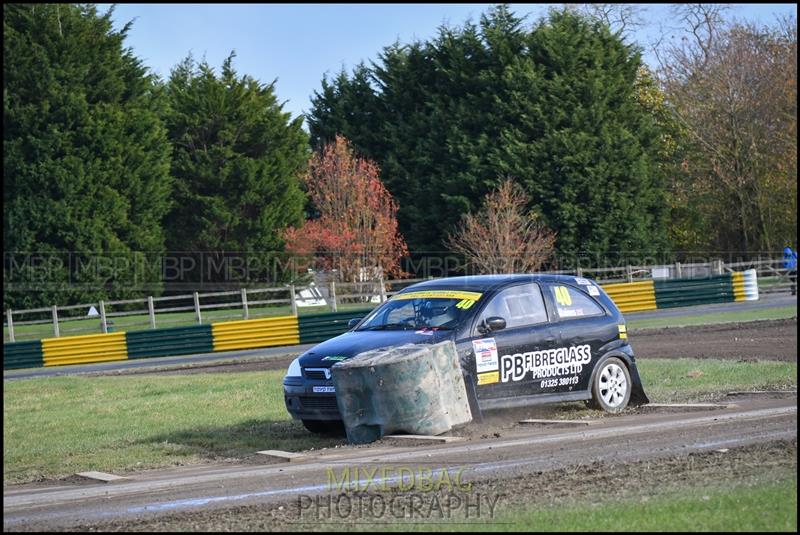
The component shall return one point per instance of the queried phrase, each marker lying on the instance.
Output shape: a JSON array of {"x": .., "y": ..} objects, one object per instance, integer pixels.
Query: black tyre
[
  {"x": 611, "y": 388},
  {"x": 328, "y": 427}
]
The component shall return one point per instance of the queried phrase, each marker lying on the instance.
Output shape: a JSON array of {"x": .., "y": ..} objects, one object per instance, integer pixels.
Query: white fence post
[
  {"x": 629, "y": 273},
  {"x": 151, "y": 311},
  {"x": 677, "y": 270},
  {"x": 333, "y": 296},
  {"x": 383, "y": 290},
  {"x": 197, "y": 307},
  {"x": 10, "y": 321},
  {"x": 103, "y": 322},
  {"x": 55, "y": 322},
  {"x": 293, "y": 298},
  {"x": 245, "y": 311}
]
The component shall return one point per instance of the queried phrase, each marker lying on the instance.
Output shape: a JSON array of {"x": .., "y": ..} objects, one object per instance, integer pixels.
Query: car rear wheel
[
  {"x": 335, "y": 427},
  {"x": 611, "y": 389}
]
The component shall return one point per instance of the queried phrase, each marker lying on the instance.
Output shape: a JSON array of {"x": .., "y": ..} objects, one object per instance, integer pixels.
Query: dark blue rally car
[{"x": 522, "y": 340}]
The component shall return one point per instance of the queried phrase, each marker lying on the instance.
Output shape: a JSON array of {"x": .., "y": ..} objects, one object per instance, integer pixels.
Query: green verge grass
[
  {"x": 682, "y": 380},
  {"x": 767, "y": 506},
  {"x": 708, "y": 318},
  {"x": 57, "y": 426},
  {"x": 54, "y": 427}
]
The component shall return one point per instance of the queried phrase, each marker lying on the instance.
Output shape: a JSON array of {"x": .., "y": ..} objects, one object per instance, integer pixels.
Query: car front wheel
[{"x": 611, "y": 389}]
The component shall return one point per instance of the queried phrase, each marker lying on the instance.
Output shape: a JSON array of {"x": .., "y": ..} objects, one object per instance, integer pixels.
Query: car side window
[
  {"x": 518, "y": 305},
  {"x": 572, "y": 303}
]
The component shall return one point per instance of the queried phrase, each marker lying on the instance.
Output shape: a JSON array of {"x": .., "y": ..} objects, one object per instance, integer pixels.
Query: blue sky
[{"x": 298, "y": 43}]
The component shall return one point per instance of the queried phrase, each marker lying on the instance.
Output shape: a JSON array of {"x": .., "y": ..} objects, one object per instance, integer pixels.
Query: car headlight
[{"x": 294, "y": 368}]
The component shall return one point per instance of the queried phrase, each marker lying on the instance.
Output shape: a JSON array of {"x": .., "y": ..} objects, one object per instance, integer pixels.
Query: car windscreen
[{"x": 430, "y": 309}]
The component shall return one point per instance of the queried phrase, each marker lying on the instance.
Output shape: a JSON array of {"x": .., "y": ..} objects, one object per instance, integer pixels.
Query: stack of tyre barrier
[{"x": 417, "y": 389}]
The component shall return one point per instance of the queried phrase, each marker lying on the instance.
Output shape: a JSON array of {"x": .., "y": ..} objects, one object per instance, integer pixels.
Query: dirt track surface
[
  {"x": 755, "y": 340},
  {"x": 628, "y": 455}
]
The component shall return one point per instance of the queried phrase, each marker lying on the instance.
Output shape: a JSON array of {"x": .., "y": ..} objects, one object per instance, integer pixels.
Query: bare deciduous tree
[
  {"x": 733, "y": 90},
  {"x": 504, "y": 237},
  {"x": 619, "y": 17}
]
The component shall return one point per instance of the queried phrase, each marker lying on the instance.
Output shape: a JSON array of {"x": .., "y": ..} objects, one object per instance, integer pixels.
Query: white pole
[
  {"x": 103, "y": 323},
  {"x": 151, "y": 310},
  {"x": 197, "y": 307},
  {"x": 55, "y": 322},
  {"x": 10, "y": 321}
]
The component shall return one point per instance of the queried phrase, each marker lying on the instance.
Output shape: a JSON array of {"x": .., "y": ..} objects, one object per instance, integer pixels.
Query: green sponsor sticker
[{"x": 335, "y": 357}]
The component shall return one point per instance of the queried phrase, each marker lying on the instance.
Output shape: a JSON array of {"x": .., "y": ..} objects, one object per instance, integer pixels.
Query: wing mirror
[
  {"x": 494, "y": 323},
  {"x": 353, "y": 322}
]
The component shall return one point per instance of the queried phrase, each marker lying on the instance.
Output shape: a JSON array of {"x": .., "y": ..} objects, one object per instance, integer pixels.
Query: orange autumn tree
[{"x": 355, "y": 232}]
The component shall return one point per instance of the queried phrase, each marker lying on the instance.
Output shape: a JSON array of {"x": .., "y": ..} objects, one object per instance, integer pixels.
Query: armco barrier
[
  {"x": 84, "y": 349},
  {"x": 290, "y": 330},
  {"x": 264, "y": 332},
  {"x": 737, "y": 281},
  {"x": 688, "y": 292},
  {"x": 320, "y": 327},
  {"x": 22, "y": 355},
  {"x": 172, "y": 341},
  {"x": 632, "y": 296}
]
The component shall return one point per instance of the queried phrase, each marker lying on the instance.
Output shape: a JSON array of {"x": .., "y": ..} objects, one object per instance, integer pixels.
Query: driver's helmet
[{"x": 437, "y": 315}]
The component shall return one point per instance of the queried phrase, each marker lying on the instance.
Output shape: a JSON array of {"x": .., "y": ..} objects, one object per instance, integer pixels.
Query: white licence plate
[{"x": 324, "y": 389}]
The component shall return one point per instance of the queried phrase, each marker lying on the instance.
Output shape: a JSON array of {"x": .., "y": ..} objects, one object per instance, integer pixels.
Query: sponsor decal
[
  {"x": 593, "y": 290},
  {"x": 545, "y": 364},
  {"x": 485, "y": 355},
  {"x": 336, "y": 358},
  {"x": 623, "y": 332},
  {"x": 441, "y": 294},
  {"x": 324, "y": 389},
  {"x": 581, "y": 280},
  {"x": 488, "y": 378}
]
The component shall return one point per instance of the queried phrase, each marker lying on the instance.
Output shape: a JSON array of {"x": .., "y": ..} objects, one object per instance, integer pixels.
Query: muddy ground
[
  {"x": 750, "y": 341},
  {"x": 593, "y": 482},
  {"x": 756, "y": 340}
]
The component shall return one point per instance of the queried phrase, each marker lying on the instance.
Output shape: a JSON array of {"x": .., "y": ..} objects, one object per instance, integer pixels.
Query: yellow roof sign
[{"x": 440, "y": 294}]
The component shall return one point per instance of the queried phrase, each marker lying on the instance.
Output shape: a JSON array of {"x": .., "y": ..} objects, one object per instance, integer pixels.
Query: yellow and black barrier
[
  {"x": 84, "y": 349},
  {"x": 632, "y": 296},
  {"x": 249, "y": 334}
]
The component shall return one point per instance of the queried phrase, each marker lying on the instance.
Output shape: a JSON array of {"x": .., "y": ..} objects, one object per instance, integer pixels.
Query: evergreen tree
[
  {"x": 237, "y": 161},
  {"x": 555, "y": 106},
  {"x": 85, "y": 160}
]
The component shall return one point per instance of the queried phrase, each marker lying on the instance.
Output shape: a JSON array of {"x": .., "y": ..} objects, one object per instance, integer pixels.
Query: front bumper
[{"x": 305, "y": 404}]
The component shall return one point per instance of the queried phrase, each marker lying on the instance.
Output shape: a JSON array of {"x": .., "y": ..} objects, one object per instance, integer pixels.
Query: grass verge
[
  {"x": 763, "y": 507},
  {"x": 682, "y": 380},
  {"x": 709, "y": 318},
  {"x": 53, "y": 427}
]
